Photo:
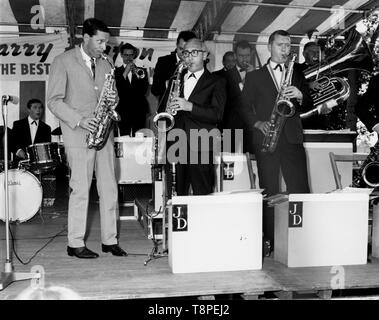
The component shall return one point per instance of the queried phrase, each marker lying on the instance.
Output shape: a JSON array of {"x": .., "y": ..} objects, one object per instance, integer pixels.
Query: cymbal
[{"x": 57, "y": 131}]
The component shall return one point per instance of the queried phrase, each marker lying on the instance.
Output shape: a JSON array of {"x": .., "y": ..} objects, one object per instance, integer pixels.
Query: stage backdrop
[{"x": 25, "y": 64}]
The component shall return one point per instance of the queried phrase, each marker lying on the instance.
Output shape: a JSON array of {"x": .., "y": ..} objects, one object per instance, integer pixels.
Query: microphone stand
[{"x": 9, "y": 276}]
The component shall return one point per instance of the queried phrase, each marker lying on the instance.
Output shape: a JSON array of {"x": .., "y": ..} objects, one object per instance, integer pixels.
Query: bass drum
[{"x": 25, "y": 195}]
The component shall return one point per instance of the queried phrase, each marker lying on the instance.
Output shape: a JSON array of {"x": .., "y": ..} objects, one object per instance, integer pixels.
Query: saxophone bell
[{"x": 370, "y": 174}]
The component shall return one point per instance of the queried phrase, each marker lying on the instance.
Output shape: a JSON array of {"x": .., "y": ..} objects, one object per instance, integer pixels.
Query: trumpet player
[
  {"x": 132, "y": 84},
  {"x": 259, "y": 95}
]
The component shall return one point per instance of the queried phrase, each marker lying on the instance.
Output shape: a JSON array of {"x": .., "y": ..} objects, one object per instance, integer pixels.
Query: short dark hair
[
  {"x": 128, "y": 46},
  {"x": 185, "y": 35},
  {"x": 31, "y": 101},
  {"x": 227, "y": 53},
  {"x": 243, "y": 44},
  {"x": 279, "y": 33},
  {"x": 310, "y": 44},
  {"x": 92, "y": 25}
]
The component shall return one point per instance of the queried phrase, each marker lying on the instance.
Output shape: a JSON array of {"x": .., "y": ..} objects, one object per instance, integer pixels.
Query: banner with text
[{"x": 29, "y": 58}]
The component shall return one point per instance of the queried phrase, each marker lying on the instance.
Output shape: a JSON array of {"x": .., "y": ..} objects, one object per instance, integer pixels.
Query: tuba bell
[{"x": 333, "y": 88}]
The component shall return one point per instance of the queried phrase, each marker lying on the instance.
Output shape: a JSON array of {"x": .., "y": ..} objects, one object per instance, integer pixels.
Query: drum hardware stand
[{"x": 9, "y": 276}]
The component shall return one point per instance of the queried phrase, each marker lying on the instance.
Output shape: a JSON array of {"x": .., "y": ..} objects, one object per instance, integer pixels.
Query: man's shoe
[
  {"x": 114, "y": 249},
  {"x": 82, "y": 253}
]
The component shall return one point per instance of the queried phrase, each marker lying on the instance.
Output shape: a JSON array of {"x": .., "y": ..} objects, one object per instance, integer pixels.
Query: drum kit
[{"x": 25, "y": 190}]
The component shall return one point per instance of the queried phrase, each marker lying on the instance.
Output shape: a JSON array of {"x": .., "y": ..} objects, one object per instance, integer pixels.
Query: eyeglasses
[{"x": 193, "y": 53}]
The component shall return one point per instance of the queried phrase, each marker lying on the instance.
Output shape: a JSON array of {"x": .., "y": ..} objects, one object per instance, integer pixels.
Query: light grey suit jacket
[{"x": 73, "y": 94}]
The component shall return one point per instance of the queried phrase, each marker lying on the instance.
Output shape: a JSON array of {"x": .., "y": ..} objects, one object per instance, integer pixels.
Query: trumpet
[{"x": 139, "y": 72}]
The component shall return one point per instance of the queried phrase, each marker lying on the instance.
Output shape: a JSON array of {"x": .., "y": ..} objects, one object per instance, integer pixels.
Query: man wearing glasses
[
  {"x": 200, "y": 109},
  {"x": 165, "y": 68}
]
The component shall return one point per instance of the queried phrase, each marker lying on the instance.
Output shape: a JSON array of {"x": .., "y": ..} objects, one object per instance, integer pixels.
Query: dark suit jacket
[
  {"x": 259, "y": 96},
  {"x": 208, "y": 98},
  {"x": 164, "y": 70},
  {"x": 133, "y": 106},
  {"x": 369, "y": 100},
  {"x": 222, "y": 72},
  {"x": 232, "y": 117},
  {"x": 20, "y": 138}
]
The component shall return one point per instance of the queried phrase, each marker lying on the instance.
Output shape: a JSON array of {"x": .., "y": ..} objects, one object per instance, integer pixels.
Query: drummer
[{"x": 29, "y": 130}]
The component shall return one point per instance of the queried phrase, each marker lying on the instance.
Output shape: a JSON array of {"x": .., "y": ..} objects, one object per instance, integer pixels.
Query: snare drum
[
  {"x": 43, "y": 156},
  {"x": 25, "y": 195}
]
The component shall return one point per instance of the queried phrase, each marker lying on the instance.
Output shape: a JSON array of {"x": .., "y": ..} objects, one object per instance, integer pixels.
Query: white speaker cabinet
[
  {"x": 133, "y": 159},
  {"x": 215, "y": 233},
  {"x": 322, "y": 230}
]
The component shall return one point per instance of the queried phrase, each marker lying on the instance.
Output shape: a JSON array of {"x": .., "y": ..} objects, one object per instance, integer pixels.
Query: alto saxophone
[
  {"x": 168, "y": 115},
  {"x": 283, "y": 109},
  {"x": 105, "y": 114}
]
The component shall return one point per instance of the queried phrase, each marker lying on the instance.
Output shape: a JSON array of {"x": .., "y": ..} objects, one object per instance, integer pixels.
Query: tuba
[
  {"x": 334, "y": 89},
  {"x": 105, "y": 114},
  {"x": 283, "y": 109},
  {"x": 368, "y": 174},
  {"x": 168, "y": 115}
]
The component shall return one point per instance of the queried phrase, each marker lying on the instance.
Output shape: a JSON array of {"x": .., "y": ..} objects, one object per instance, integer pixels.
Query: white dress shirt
[
  {"x": 279, "y": 75},
  {"x": 33, "y": 128},
  {"x": 129, "y": 74},
  {"x": 190, "y": 82},
  {"x": 87, "y": 59},
  {"x": 242, "y": 75}
]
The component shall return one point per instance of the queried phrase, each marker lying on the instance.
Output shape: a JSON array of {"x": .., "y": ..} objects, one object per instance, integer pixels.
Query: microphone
[{"x": 8, "y": 98}]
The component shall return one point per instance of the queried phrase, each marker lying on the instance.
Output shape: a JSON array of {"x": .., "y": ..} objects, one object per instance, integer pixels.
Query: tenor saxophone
[
  {"x": 105, "y": 114},
  {"x": 283, "y": 109}
]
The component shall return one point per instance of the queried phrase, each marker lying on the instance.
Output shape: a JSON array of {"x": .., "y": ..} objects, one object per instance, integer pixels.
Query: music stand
[{"x": 9, "y": 276}]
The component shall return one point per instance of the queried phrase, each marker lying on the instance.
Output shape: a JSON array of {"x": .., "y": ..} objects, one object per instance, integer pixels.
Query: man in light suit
[
  {"x": 29, "y": 130},
  {"x": 75, "y": 84},
  {"x": 259, "y": 95},
  {"x": 200, "y": 109}
]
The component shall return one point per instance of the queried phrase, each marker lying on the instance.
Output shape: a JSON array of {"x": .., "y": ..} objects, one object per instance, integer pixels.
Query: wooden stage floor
[{"x": 110, "y": 277}]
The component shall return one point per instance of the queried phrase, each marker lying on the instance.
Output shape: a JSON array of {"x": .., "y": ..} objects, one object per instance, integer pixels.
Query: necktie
[
  {"x": 278, "y": 66},
  {"x": 34, "y": 122},
  {"x": 192, "y": 75},
  {"x": 93, "y": 67}
]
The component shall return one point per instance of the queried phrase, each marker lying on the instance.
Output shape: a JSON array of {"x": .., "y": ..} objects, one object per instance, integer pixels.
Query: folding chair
[{"x": 334, "y": 158}]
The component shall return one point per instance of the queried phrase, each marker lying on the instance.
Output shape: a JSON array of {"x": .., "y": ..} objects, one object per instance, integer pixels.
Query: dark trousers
[{"x": 290, "y": 159}]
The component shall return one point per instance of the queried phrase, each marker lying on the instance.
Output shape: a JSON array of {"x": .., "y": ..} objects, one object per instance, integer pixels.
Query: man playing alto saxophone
[
  {"x": 259, "y": 96},
  {"x": 75, "y": 84}
]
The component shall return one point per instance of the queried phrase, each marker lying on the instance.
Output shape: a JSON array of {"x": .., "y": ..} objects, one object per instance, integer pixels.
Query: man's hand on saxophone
[
  {"x": 292, "y": 92},
  {"x": 181, "y": 104},
  {"x": 263, "y": 126},
  {"x": 88, "y": 123}
]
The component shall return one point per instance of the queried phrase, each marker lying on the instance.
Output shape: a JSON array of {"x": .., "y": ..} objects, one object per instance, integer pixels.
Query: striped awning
[{"x": 220, "y": 20}]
